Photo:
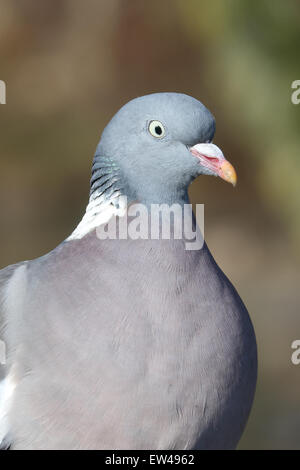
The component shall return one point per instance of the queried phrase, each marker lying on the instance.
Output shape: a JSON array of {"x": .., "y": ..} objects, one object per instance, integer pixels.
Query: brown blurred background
[{"x": 70, "y": 64}]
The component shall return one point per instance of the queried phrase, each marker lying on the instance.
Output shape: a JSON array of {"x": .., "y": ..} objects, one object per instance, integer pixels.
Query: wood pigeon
[{"x": 129, "y": 342}]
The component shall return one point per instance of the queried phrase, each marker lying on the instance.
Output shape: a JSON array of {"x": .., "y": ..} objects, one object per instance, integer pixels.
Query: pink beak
[{"x": 212, "y": 158}]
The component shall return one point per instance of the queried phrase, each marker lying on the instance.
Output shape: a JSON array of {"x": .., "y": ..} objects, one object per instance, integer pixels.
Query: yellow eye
[{"x": 157, "y": 129}]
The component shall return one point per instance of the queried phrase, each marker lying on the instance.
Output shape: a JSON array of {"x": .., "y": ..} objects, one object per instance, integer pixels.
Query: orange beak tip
[{"x": 228, "y": 173}]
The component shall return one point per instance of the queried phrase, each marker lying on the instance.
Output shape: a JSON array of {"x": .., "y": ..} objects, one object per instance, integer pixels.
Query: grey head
[{"x": 154, "y": 147}]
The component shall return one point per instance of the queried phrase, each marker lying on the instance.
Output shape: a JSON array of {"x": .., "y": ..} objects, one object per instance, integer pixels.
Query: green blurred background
[{"x": 70, "y": 64}]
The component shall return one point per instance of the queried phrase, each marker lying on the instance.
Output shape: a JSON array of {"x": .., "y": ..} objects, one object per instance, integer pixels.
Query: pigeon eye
[{"x": 156, "y": 129}]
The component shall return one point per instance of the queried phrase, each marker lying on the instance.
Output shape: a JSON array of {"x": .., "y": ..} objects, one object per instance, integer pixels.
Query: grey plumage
[{"x": 130, "y": 344}]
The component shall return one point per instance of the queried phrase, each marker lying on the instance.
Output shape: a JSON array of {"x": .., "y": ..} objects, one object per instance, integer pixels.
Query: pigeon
[{"x": 130, "y": 342}]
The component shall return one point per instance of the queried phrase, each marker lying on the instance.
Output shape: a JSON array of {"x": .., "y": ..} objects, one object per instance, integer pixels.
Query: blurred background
[{"x": 70, "y": 64}]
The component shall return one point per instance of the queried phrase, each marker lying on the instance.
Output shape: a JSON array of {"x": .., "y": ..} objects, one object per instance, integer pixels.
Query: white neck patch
[{"x": 98, "y": 212}]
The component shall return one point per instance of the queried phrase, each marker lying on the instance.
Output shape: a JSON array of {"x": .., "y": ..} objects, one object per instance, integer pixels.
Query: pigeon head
[{"x": 154, "y": 147}]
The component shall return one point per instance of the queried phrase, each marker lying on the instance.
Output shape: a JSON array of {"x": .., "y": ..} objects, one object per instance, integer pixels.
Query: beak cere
[{"x": 212, "y": 158}]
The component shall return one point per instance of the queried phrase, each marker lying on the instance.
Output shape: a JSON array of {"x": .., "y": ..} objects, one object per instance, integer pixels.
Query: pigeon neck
[
  {"x": 164, "y": 195},
  {"x": 105, "y": 197},
  {"x": 109, "y": 196}
]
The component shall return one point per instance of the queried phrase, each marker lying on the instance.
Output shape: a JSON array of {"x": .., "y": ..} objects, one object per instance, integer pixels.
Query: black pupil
[{"x": 158, "y": 130}]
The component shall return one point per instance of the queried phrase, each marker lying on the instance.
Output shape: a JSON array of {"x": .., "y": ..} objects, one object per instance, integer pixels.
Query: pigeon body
[{"x": 129, "y": 343}]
